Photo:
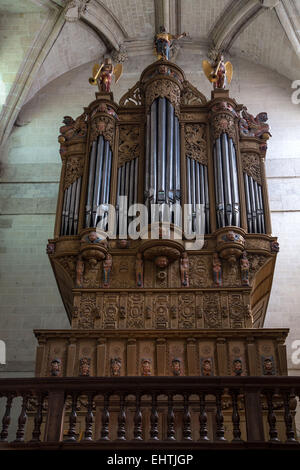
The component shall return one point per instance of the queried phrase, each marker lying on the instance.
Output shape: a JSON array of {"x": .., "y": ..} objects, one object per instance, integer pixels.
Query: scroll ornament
[
  {"x": 74, "y": 169},
  {"x": 164, "y": 89},
  {"x": 221, "y": 123},
  {"x": 103, "y": 126},
  {"x": 251, "y": 166},
  {"x": 71, "y": 130},
  {"x": 195, "y": 142}
]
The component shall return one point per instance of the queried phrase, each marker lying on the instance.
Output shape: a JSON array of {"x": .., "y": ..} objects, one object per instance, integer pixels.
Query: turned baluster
[
  {"x": 137, "y": 433},
  {"x": 235, "y": 417},
  {"x": 271, "y": 418},
  {"x": 36, "y": 433},
  {"x": 89, "y": 418},
  {"x": 22, "y": 420},
  {"x": 73, "y": 419},
  {"x": 6, "y": 418},
  {"x": 203, "y": 419},
  {"x": 187, "y": 432},
  {"x": 290, "y": 434},
  {"x": 105, "y": 419},
  {"x": 154, "y": 419},
  {"x": 170, "y": 419},
  {"x": 219, "y": 418},
  {"x": 122, "y": 419}
]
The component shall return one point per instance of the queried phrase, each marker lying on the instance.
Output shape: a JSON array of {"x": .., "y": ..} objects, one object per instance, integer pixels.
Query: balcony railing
[{"x": 149, "y": 412}]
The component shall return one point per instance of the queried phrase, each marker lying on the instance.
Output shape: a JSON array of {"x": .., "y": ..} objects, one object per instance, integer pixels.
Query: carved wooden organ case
[{"x": 156, "y": 300}]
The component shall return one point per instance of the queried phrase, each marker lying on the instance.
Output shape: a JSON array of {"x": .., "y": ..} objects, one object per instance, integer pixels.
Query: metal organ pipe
[
  {"x": 226, "y": 182},
  {"x": 88, "y": 209},
  {"x": 234, "y": 185},
  {"x": 162, "y": 157},
  {"x": 254, "y": 205}
]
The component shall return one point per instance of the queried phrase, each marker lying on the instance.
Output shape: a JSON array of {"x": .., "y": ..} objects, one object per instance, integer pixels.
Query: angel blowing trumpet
[
  {"x": 219, "y": 72},
  {"x": 102, "y": 75}
]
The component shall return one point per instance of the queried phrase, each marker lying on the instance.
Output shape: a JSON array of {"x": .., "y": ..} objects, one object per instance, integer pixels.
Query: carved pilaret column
[{"x": 223, "y": 117}]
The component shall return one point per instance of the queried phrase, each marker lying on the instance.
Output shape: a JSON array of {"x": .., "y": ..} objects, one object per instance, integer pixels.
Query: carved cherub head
[{"x": 161, "y": 262}]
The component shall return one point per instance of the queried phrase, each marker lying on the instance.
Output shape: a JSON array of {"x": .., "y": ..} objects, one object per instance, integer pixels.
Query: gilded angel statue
[
  {"x": 219, "y": 72},
  {"x": 102, "y": 75}
]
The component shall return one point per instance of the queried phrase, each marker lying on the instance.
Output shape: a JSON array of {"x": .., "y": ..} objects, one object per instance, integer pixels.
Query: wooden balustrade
[{"x": 158, "y": 410}]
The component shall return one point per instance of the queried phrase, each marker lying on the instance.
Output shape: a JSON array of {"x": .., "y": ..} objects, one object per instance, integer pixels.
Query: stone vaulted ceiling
[{"x": 266, "y": 32}]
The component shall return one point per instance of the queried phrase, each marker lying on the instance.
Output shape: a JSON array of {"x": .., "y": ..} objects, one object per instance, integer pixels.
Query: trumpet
[
  {"x": 93, "y": 80},
  {"x": 213, "y": 75}
]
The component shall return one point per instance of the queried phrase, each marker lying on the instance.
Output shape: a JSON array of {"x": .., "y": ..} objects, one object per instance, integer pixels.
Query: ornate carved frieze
[
  {"x": 186, "y": 305},
  {"x": 165, "y": 89},
  {"x": 86, "y": 316},
  {"x": 69, "y": 264},
  {"x": 103, "y": 125},
  {"x": 135, "y": 316},
  {"x": 212, "y": 311},
  {"x": 195, "y": 142},
  {"x": 129, "y": 143},
  {"x": 200, "y": 271},
  {"x": 251, "y": 165}
]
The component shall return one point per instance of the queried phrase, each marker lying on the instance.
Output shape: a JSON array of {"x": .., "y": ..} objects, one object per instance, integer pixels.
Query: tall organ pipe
[
  {"x": 162, "y": 157},
  {"x": 248, "y": 204},
  {"x": 227, "y": 180},
  {"x": 161, "y": 150},
  {"x": 170, "y": 153},
  {"x": 253, "y": 204},
  {"x": 234, "y": 185},
  {"x": 89, "y": 200},
  {"x": 206, "y": 193},
  {"x": 97, "y": 179}
]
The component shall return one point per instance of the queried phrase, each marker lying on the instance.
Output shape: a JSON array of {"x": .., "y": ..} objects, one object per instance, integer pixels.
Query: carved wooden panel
[
  {"x": 129, "y": 143},
  {"x": 195, "y": 142}
]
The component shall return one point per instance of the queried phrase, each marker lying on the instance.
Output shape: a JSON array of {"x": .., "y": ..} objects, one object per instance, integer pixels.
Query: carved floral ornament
[
  {"x": 251, "y": 165},
  {"x": 103, "y": 126},
  {"x": 164, "y": 88},
  {"x": 133, "y": 97},
  {"x": 129, "y": 143},
  {"x": 223, "y": 122},
  {"x": 74, "y": 169},
  {"x": 195, "y": 142}
]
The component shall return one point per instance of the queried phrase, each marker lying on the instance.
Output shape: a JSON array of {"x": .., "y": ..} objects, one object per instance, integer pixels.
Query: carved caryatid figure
[
  {"x": 244, "y": 262},
  {"x": 163, "y": 43},
  {"x": 217, "y": 270},
  {"x": 79, "y": 271},
  {"x": 107, "y": 267},
  {"x": 218, "y": 71},
  {"x": 184, "y": 269},
  {"x": 139, "y": 270},
  {"x": 102, "y": 75}
]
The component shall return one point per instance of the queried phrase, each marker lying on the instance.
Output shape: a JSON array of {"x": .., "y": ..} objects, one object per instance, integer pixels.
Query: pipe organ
[{"x": 164, "y": 297}]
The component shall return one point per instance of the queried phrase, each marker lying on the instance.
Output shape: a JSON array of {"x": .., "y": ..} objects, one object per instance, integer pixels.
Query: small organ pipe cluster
[{"x": 163, "y": 299}]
